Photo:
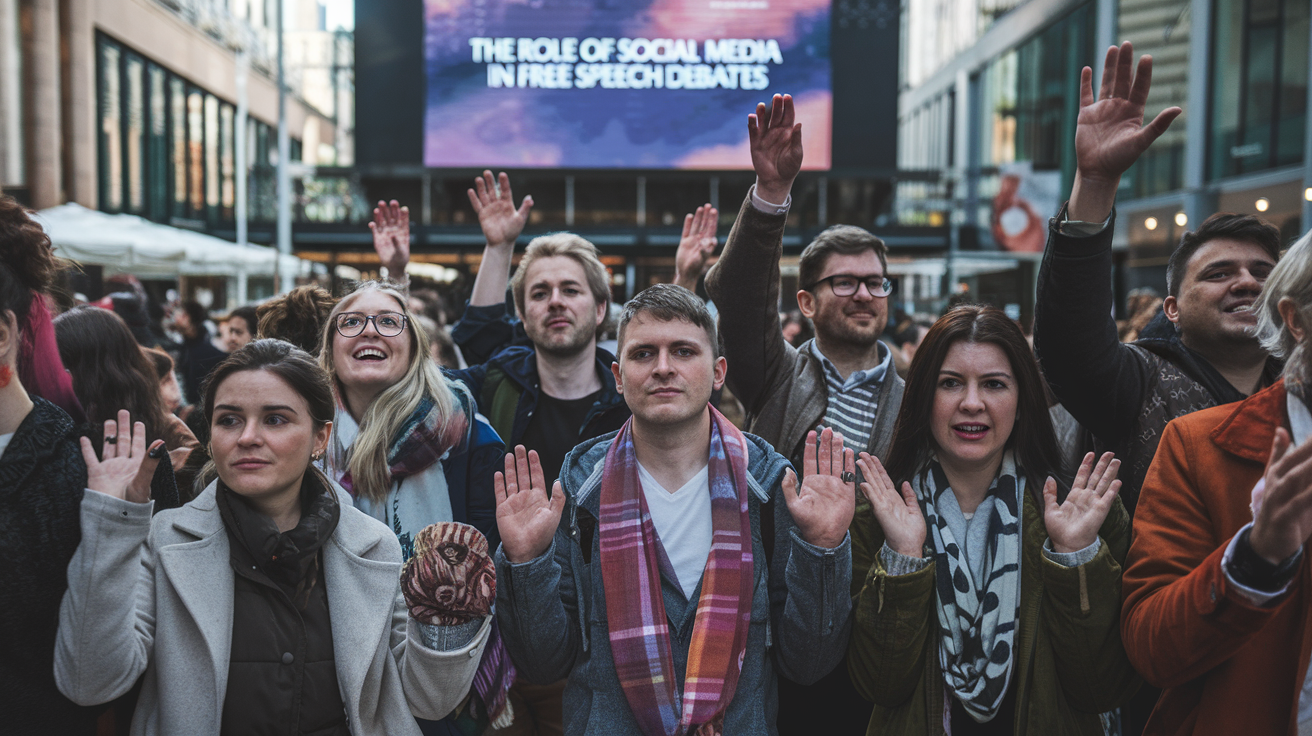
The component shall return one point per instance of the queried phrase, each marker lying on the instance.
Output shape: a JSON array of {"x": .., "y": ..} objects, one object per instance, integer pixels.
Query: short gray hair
[
  {"x": 668, "y": 302},
  {"x": 1292, "y": 278}
]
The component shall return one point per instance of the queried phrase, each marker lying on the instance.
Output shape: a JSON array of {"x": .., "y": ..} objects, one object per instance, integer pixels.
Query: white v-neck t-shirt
[
  {"x": 683, "y": 523},
  {"x": 4, "y": 442}
]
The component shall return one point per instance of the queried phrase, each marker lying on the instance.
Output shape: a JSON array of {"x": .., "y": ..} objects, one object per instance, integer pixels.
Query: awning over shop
[{"x": 131, "y": 244}]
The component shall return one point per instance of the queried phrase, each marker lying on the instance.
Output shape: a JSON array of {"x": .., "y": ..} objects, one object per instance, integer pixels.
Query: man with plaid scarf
[{"x": 657, "y": 575}]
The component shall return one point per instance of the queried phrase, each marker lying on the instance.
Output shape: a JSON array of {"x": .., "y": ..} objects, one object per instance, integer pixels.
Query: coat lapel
[
  {"x": 361, "y": 596},
  {"x": 200, "y": 572},
  {"x": 1249, "y": 429}
]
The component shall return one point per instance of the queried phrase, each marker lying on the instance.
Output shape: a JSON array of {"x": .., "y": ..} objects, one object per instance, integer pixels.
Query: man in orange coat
[{"x": 1218, "y": 596}]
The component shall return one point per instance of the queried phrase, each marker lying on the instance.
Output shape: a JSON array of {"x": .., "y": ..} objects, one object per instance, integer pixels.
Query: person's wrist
[
  {"x": 519, "y": 556},
  {"x": 910, "y": 548},
  {"x": 773, "y": 191},
  {"x": 1068, "y": 548},
  {"x": 827, "y": 541},
  {"x": 1093, "y": 196},
  {"x": 1267, "y": 549}
]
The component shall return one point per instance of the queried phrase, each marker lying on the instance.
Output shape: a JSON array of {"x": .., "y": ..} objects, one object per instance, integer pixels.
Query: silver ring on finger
[{"x": 847, "y": 477}]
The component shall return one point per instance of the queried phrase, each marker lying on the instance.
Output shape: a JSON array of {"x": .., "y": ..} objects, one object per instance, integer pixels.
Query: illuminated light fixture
[
  {"x": 1150, "y": 223},
  {"x": 1307, "y": 194},
  {"x": 1181, "y": 219},
  {"x": 1262, "y": 204}
]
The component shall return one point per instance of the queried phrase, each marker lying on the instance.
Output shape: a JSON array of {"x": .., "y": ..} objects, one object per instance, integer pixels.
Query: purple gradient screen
[{"x": 619, "y": 83}]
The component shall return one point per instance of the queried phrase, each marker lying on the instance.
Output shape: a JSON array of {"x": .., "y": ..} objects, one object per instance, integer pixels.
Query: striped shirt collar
[{"x": 870, "y": 377}]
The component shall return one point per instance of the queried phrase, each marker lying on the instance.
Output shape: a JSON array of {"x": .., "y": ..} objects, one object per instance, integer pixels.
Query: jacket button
[
  {"x": 1213, "y": 592},
  {"x": 472, "y": 652},
  {"x": 287, "y": 658}
]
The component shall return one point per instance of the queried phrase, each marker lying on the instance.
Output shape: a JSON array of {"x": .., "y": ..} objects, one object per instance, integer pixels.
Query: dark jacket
[
  {"x": 485, "y": 331},
  {"x": 507, "y": 390},
  {"x": 196, "y": 359},
  {"x": 1069, "y": 664},
  {"x": 42, "y": 478},
  {"x": 1124, "y": 394},
  {"x": 552, "y": 610}
]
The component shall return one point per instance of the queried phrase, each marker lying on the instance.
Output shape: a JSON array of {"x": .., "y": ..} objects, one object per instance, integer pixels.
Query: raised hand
[
  {"x": 391, "y": 229},
  {"x": 1109, "y": 133},
  {"x": 1073, "y": 524},
  {"x": 1283, "y": 521},
  {"x": 124, "y": 468},
  {"x": 495, "y": 205},
  {"x": 526, "y": 517},
  {"x": 823, "y": 506},
  {"x": 775, "y": 139},
  {"x": 898, "y": 514},
  {"x": 693, "y": 257}
]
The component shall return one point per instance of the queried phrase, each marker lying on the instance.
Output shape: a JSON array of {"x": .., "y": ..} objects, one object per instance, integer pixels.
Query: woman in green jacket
[{"x": 983, "y": 604}]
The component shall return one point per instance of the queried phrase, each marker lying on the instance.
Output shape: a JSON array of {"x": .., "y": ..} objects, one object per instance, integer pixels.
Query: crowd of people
[{"x": 344, "y": 518}]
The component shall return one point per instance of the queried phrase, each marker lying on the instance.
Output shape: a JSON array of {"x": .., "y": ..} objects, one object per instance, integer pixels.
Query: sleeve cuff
[
  {"x": 449, "y": 638},
  {"x": 897, "y": 563},
  {"x": 1072, "y": 559},
  {"x": 1079, "y": 228},
  {"x": 104, "y": 504},
  {"x": 1253, "y": 595},
  {"x": 820, "y": 551},
  {"x": 770, "y": 208}
]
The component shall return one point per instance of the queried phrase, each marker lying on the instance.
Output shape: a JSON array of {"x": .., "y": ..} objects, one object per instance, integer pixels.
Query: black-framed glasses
[
  {"x": 388, "y": 324},
  {"x": 845, "y": 284}
]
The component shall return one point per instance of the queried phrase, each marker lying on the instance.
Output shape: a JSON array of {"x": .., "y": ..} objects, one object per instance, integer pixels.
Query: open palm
[
  {"x": 696, "y": 246},
  {"x": 824, "y": 505},
  {"x": 497, "y": 215},
  {"x": 1109, "y": 133},
  {"x": 526, "y": 517},
  {"x": 898, "y": 514},
  {"x": 391, "y": 230},
  {"x": 1073, "y": 524},
  {"x": 775, "y": 138}
]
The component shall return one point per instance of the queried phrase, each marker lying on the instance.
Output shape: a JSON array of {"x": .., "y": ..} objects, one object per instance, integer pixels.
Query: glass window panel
[
  {"x": 111, "y": 131},
  {"x": 605, "y": 202},
  {"x": 212, "y": 170},
  {"x": 196, "y": 151},
  {"x": 1227, "y": 88},
  {"x": 178, "y": 123},
  {"x": 1293, "y": 86},
  {"x": 157, "y": 148},
  {"x": 227, "y": 161},
  {"x": 135, "y": 132}
]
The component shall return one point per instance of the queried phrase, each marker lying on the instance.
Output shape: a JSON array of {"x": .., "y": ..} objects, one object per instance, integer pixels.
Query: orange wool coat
[{"x": 1225, "y": 665}]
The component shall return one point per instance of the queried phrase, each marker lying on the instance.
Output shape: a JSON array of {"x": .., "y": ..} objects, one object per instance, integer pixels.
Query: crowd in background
[{"x": 691, "y": 513}]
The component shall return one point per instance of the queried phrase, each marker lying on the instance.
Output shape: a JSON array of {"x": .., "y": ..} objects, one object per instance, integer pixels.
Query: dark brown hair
[
  {"x": 299, "y": 317},
  {"x": 668, "y": 302},
  {"x": 26, "y": 248},
  {"x": 162, "y": 361},
  {"x": 109, "y": 369},
  {"x": 1246, "y": 228},
  {"x": 249, "y": 316},
  {"x": 1032, "y": 438},
  {"x": 843, "y": 239}
]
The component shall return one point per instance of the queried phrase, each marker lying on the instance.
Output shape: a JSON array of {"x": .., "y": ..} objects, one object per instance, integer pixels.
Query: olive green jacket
[{"x": 1070, "y": 665}]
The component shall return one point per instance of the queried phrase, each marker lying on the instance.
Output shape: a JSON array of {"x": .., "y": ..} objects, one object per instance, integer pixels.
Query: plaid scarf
[
  {"x": 631, "y": 559},
  {"x": 420, "y": 442}
]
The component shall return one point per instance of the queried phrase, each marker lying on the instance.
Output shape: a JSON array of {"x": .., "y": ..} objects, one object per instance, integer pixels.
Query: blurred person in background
[
  {"x": 299, "y": 317},
  {"x": 987, "y": 600},
  {"x": 110, "y": 372},
  {"x": 440, "y": 346},
  {"x": 1142, "y": 305},
  {"x": 41, "y": 479},
  {"x": 843, "y": 379},
  {"x": 1218, "y": 597},
  {"x": 906, "y": 338},
  {"x": 796, "y": 328},
  {"x": 268, "y": 600},
  {"x": 242, "y": 324},
  {"x": 197, "y": 355}
]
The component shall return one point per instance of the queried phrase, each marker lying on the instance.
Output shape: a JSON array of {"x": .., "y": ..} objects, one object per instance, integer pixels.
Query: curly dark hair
[
  {"x": 109, "y": 369},
  {"x": 25, "y": 248},
  {"x": 298, "y": 317}
]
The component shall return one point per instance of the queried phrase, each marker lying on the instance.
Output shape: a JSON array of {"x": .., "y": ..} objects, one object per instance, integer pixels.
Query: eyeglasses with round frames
[
  {"x": 388, "y": 324},
  {"x": 845, "y": 284}
]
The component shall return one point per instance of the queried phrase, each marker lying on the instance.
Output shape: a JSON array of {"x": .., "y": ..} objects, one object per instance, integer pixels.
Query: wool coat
[
  {"x": 1225, "y": 665},
  {"x": 156, "y": 597}
]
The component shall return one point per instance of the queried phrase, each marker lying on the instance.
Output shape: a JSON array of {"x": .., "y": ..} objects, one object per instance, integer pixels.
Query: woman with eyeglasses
[
  {"x": 987, "y": 594},
  {"x": 406, "y": 442}
]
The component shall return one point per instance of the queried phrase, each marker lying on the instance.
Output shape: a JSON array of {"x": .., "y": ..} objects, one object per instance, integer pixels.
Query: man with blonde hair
[
  {"x": 1225, "y": 628},
  {"x": 551, "y": 393}
]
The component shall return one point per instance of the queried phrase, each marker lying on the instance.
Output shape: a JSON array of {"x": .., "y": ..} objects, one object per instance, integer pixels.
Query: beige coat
[{"x": 156, "y": 596}]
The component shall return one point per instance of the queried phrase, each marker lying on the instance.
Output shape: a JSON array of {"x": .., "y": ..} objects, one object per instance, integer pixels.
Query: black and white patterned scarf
[{"x": 977, "y": 575}]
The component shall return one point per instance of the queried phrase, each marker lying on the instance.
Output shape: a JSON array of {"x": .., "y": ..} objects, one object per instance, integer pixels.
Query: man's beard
[
  {"x": 574, "y": 343},
  {"x": 842, "y": 331}
]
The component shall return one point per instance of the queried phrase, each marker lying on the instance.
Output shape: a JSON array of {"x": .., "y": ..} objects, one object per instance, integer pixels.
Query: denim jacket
[{"x": 552, "y": 610}]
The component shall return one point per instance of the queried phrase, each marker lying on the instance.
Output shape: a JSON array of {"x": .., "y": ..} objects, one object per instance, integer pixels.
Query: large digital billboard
[{"x": 640, "y": 84}]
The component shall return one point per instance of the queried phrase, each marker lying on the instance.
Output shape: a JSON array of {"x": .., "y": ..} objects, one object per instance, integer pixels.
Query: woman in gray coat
[{"x": 224, "y": 604}]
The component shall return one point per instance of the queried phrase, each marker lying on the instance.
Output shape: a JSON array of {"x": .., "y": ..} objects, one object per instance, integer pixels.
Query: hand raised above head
[
  {"x": 775, "y": 139},
  {"x": 898, "y": 514},
  {"x": 1073, "y": 524},
  {"x": 124, "y": 468},
  {"x": 526, "y": 517},
  {"x": 693, "y": 258},
  {"x": 823, "y": 506},
  {"x": 391, "y": 229},
  {"x": 495, "y": 204}
]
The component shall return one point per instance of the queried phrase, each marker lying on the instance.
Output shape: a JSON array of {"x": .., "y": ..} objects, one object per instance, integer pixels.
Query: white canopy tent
[{"x": 131, "y": 244}]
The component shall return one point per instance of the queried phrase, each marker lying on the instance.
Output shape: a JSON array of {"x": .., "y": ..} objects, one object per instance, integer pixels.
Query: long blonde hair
[{"x": 366, "y": 461}]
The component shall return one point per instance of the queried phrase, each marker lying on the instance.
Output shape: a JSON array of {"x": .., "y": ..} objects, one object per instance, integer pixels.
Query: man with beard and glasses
[
  {"x": 841, "y": 379},
  {"x": 550, "y": 394},
  {"x": 1218, "y": 608},
  {"x": 1125, "y": 394}
]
